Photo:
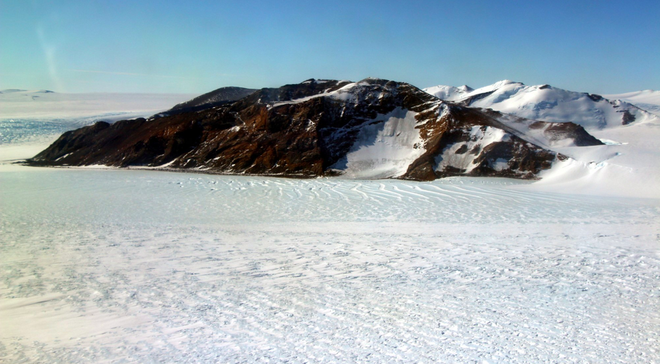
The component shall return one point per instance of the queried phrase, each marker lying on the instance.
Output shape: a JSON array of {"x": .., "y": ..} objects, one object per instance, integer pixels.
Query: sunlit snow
[
  {"x": 478, "y": 137},
  {"x": 385, "y": 148},
  {"x": 626, "y": 166},
  {"x": 648, "y": 100},
  {"x": 547, "y": 103}
]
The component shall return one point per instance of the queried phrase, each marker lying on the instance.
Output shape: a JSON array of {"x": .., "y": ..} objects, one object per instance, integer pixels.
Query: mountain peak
[
  {"x": 506, "y": 82},
  {"x": 315, "y": 81}
]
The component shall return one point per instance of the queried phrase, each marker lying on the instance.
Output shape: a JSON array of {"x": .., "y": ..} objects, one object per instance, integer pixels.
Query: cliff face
[{"x": 368, "y": 129}]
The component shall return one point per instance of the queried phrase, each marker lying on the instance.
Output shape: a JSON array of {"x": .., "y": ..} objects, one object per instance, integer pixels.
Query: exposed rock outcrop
[
  {"x": 369, "y": 129},
  {"x": 221, "y": 96}
]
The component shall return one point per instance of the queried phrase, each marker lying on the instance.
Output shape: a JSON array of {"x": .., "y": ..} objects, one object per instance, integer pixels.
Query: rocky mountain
[
  {"x": 217, "y": 97},
  {"x": 369, "y": 129},
  {"x": 547, "y": 103}
]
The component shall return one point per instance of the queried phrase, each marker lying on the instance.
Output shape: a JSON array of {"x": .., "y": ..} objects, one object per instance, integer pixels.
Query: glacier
[{"x": 147, "y": 266}]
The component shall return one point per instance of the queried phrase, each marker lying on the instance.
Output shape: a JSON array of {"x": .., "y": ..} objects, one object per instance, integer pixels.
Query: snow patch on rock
[
  {"x": 385, "y": 148},
  {"x": 462, "y": 155}
]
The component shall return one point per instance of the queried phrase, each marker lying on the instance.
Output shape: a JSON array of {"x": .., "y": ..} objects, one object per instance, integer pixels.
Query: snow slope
[
  {"x": 547, "y": 103},
  {"x": 384, "y": 149},
  {"x": 449, "y": 93},
  {"x": 648, "y": 100},
  {"x": 626, "y": 166}
]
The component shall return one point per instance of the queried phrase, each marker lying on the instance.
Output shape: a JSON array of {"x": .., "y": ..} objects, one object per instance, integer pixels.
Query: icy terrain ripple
[{"x": 161, "y": 267}]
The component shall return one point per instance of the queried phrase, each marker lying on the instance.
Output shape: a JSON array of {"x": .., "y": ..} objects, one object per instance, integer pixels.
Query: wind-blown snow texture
[{"x": 154, "y": 266}]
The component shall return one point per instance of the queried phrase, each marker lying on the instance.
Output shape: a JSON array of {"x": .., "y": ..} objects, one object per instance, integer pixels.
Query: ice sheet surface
[{"x": 144, "y": 266}]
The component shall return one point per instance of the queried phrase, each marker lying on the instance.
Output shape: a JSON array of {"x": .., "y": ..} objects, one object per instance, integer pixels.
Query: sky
[{"x": 171, "y": 46}]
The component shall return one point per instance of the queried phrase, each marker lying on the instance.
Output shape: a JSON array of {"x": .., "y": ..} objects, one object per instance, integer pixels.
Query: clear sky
[{"x": 196, "y": 46}]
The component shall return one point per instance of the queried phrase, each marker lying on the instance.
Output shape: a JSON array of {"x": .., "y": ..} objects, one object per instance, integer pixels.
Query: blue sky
[{"x": 197, "y": 46}]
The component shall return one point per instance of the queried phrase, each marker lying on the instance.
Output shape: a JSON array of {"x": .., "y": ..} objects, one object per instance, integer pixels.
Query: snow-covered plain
[{"x": 106, "y": 265}]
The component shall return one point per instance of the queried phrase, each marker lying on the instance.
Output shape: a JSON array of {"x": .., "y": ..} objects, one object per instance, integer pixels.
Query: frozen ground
[{"x": 144, "y": 266}]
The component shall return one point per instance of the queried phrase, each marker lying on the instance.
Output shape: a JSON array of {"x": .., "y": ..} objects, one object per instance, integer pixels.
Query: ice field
[{"x": 147, "y": 266}]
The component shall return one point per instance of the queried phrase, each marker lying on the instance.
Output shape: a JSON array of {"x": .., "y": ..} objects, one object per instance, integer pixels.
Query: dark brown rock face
[
  {"x": 318, "y": 128},
  {"x": 217, "y": 97}
]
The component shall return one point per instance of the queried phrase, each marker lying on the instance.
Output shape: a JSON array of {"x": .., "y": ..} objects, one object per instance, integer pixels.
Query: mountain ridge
[
  {"x": 372, "y": 128},
  {"x": 548, "y": 103}
]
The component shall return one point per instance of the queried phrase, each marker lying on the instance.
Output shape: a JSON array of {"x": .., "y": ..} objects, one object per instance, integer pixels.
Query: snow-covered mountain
[
  {"x": 648, "y": 100},
  {"x": 449, "y": 93},
  {"x": 547, "y": 103},
  {"x": 629, "y": 124},
  {"x": 369, "y": 129}
]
